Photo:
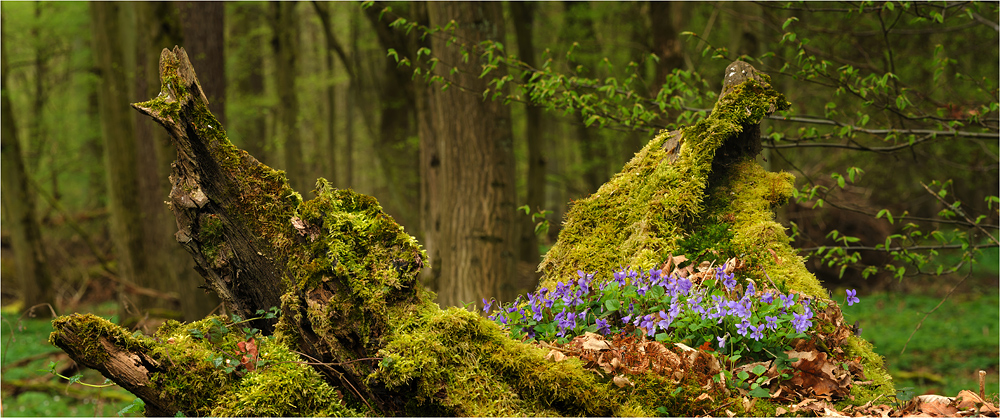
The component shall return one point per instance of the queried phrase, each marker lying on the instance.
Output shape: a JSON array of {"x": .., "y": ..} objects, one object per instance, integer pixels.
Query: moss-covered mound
[{"x": 699, "y": 192}]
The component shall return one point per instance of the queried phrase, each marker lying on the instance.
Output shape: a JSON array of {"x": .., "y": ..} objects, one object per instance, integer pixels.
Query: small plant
[
  {"x": 541, "y": 223},
  {"x": 76, "y": 378},
  {"x": 245, "y": 357},
  {"x": 715, "y": 312}
]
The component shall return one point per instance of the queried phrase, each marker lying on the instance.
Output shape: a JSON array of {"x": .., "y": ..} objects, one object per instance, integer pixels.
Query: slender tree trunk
[
  {"x": 333, "y": 47},
  {"x": 285, "y": 41},
  {"x": 248, "y": 44},
  {"x": 523, "y": 15},
  {"x": 477, "y": 237},
  {"x": 204, "y": 24},
  {"x": 119, "y": 147},
  {"x": 397, "y": 125},
  {"x": 666, "y": 45},
  {"x": 352, "y": 98},
  {"x": 160, "y": 24},
  {"x": 33, "y": 275},
  {"x": 579, "y": 24}
]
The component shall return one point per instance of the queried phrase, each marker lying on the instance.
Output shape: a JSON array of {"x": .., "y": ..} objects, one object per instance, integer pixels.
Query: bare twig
[
  {"x": 932, "y": 311},
  {"x": 960, "y": 212}
]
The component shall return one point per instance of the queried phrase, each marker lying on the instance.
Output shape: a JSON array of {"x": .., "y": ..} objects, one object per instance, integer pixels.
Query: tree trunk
[
  {"x": 523, "y": 15},
  {"x": 158, "y": 24},
  {"x": 203, "y": 24},
  {"x": 345, "y": 276},
  {"x": 247, "y": 48},
  {"x": 579, "y": 24},
  {"x": 285, "y": 41},
  {"x": 666, "y": 45},
  {"x": 33, "y": 277},
  {"x": 119, "y": 148},
  {"x": 477, "y": 238},
  {"x": 397, "y": 124}
]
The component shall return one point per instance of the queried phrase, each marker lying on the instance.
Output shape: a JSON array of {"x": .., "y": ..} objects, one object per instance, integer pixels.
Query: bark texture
[
  {"x": 476, "y": 241},
  {"x": 357, "y": 335}
]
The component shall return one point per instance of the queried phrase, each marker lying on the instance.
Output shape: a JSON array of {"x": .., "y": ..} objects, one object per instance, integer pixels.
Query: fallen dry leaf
[
  {"x": 555, "y": 355},
  {"x": 621, "y": 381}
]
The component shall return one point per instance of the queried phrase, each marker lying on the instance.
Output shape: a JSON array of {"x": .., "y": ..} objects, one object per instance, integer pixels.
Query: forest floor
[{"x": 943, "y": 356}]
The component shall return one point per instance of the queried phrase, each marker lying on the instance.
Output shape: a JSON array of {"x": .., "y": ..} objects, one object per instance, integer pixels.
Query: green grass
[
  {"x": 49, "y": 395},
  {"x": 952, "y": 344}
]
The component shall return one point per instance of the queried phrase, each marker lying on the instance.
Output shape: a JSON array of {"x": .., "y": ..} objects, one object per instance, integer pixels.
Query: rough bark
[
  {"x": 579, "y": 27},
  {"x": 158, "y": 24},
  {"x": 477, "y": 239},
  {"x": 666, "y": 46},
  {"x": 203, "y": 24},
  {"x": 345, "y": 276}
]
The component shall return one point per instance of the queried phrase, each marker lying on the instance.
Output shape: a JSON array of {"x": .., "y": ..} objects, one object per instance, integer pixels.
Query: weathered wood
[
  {"x": 345, "y": 277},
  {"x": 115, "y": 354}
]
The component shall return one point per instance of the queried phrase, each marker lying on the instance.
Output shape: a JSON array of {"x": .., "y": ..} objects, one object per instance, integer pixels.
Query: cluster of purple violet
[{"x": 736, "y": 318}]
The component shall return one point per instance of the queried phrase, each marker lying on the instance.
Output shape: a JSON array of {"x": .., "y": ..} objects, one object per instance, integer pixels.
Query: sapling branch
[{"x": 960, "y": 212}]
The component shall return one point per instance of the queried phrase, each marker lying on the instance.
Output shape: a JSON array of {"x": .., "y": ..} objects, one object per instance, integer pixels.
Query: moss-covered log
[{"x": 358, "y": 335}]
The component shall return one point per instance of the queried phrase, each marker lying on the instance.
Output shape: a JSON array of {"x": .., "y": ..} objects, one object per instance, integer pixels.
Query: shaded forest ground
[{"x": 954, "y": 341}]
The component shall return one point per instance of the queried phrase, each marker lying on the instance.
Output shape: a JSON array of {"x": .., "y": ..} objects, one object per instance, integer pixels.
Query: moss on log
[{"x": 356, "y": 333}]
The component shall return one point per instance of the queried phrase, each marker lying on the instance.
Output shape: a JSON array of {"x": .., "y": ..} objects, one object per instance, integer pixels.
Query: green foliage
[
  {"x": 745, "y": 323},
  {"x": 868, "y": 110}
]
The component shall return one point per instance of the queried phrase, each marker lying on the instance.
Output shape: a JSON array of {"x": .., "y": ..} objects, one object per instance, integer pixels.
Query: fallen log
[{"x": 328, "y": 314}]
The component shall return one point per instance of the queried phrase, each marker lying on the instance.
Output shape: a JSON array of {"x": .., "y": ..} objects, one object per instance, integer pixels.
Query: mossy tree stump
[{"x": 356, "y": 332}]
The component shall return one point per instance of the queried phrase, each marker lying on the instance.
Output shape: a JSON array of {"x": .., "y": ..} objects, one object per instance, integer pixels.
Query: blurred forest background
[{"x": 455, "y": 115}]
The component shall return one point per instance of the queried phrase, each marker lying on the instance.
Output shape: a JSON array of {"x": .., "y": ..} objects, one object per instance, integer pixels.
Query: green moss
[
  {"x": 645, "y": 210},
  {"x": 281, "y": 385},
  {"x": 91, "y": 329},
  {"x": 697, "y": 202},
  {"x": 455, "y": 362}
]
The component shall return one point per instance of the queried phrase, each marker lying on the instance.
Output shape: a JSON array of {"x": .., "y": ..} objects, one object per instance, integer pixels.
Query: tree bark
[
  {"x": 345, "y": 276},
  {"x": 33, "y": 276},
  {"x": 579, "y": 26},
  {"x": 477, "y": 240},
  {"x": 666, "y": 46},
  {"x": 158, "y": 24}
]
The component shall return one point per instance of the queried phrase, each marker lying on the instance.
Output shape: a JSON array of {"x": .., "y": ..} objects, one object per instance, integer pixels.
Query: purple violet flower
[
  {"x": 649, "y": 324},
  {"x": 767, "y": 298},
  {"x": 852, "y": 297},
  {"x": 742, "y": 309},
  {"x": 801, "y": 322},
  {"x": 741, "y": 328},
  {"x": 665, "y": 320},
  {"x": 684, "y": 285},
  {"x": 772, "y": 322},
  {"x": 758, "y": 332},
  {"x": 722, "y": 341},
  {"x": 788, "y": 300},
  {"x": 603, "y": 327}
]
